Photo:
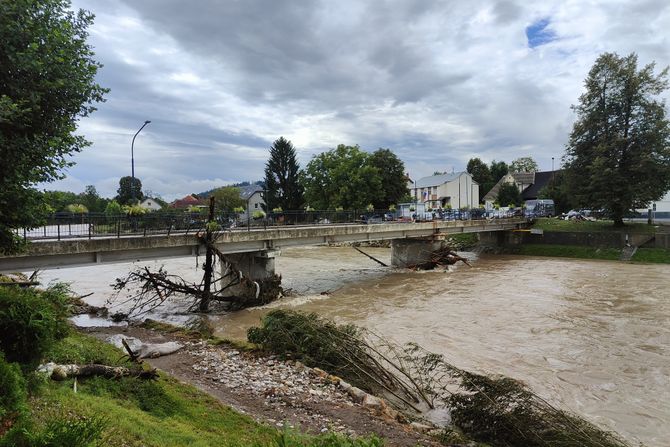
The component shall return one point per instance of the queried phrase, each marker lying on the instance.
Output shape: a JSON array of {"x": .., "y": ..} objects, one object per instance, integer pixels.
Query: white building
[
  {"x": 457, "y": 190},
  {"x": 150, "y": 204},
  {"x": 253, "y": 196}
]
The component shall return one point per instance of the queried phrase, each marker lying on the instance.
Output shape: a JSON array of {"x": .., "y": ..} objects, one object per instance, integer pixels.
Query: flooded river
[{"x": 590, "y": 336}]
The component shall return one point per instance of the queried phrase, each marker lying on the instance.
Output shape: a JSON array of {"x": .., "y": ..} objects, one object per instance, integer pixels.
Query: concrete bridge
[{"x": 252, "y": 249}]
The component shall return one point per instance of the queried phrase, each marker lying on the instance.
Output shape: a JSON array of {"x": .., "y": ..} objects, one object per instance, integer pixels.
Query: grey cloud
[{"x": 506, "y": 11}]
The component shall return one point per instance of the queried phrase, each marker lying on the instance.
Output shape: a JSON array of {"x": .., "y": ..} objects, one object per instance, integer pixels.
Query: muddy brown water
[{"x": 590, "y": 336}]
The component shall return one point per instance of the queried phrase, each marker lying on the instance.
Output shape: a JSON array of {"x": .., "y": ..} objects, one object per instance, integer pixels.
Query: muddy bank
[{"x": 276, "y": 392}]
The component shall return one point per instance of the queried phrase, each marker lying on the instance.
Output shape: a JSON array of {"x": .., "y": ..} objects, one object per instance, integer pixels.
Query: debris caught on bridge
[
  {"x": 443, "y": 257},
  {"x": 146, "y": 290}
]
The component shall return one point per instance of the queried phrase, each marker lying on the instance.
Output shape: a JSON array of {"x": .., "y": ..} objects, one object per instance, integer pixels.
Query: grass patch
[
  {"x": 655, "y": 255},
  {"x": 569, "y": 251},
  {"x": 165, "y": 412},
  {"x": 599, "y": 226},
  {"x": 463, "y": 241}
]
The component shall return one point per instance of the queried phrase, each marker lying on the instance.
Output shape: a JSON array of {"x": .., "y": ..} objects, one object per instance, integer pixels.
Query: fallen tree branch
[
  {"x": 62, "y": 372},
  {"x": 371, "y": 257}
]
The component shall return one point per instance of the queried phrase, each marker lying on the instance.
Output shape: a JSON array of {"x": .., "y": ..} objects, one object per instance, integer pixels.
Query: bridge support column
[
  {"x": 409, "y": 252},
  {"x": 255, "y": 265}
]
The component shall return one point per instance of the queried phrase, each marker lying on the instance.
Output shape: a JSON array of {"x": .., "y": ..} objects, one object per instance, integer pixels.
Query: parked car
[{"x": 371, "y": 219}]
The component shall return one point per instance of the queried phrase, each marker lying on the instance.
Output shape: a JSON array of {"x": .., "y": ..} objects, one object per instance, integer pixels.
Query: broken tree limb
[
  {"x": 371, "y": 257},
  {"x": 62, "y": 372},
  {"x": 131, "y": 355}
]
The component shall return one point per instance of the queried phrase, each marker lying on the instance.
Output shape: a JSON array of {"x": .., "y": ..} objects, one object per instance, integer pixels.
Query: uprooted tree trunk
[
  {"x": 440, "y": 258},
  {"x": 62, "y": 372},
  {"x": 147, "y": 290}
]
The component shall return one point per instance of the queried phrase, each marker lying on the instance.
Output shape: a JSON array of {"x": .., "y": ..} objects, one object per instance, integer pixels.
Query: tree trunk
[{"x": 209, "y": 260}]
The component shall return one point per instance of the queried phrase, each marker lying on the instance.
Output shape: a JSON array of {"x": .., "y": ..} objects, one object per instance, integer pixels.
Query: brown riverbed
[{"x": 590, "y": 336}]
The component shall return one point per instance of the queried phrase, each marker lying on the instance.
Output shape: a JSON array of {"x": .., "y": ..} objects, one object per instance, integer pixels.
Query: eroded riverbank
[{"x": 590, "y": 335}]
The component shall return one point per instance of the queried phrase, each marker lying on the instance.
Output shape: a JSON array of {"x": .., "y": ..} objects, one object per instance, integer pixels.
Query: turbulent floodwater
[{"x": 590, "y": 336}]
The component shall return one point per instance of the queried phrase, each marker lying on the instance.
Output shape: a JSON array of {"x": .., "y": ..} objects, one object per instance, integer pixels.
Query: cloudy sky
[{"x": 438, "y": 82}]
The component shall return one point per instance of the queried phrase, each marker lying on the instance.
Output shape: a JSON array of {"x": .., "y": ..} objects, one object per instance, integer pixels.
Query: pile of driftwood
[
  {"x": 443, "y": 257},
  {"x": 222, "y": 281}
]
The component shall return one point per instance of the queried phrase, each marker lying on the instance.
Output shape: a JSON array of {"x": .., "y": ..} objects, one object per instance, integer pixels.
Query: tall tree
[
  {"x": 509, "y": 194},
  {"x": 47, "y": 83},
  {"x": 557, "y": 191},
  {"x": 499, "y": 169},
  {"x": 92, "y": 200},
  {"x": 282, "y": 182},
  {"x": 59, "y": 200},
  {"x": 481, "y": 174},
  {"x": 618, "y": 155},
  {"x": 129, "y": 188},
  {"x": 524, "y": 164},
  {"x": 393, "y": 178},
  {"x": 227, "y": 198},
  {"x": 341, "y": 177}
]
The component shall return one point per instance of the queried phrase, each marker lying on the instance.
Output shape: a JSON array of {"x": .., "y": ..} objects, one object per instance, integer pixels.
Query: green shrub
[
  {"x": 304, "y": 336},
  {"x": 31, "y": 321},
  {"x": 12, "y": 390}
]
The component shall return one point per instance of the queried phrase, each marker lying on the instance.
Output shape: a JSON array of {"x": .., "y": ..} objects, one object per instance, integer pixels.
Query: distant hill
[{"x": 205, "y": 194}]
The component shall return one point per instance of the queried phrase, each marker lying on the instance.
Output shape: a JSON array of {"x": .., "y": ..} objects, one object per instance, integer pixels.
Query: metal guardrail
[{"x": 62, "y": 226}]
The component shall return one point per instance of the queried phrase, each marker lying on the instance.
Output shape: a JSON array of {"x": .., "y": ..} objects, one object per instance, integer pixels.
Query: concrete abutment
[{"x": 410, "y": 252}]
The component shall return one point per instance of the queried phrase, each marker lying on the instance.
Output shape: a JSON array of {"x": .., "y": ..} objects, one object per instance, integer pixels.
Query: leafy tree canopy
[
  {"x": 618, "y": 155},
  {"x": 129, "y": 187},
  {"x": 524, "y": 164},
  {"x": 509, "y": 194},
  {"x": 227, "y": 198},
  {"x": 47, "y": 83},
  {"x": 282, "y": 181},
  {"x": 341, "y": 177},
  {"x": 113, "y": 208},
  {"x": 393, "y": 178},
  {"x": 499, "y": 169},
  {"x": 59, "y": 200},
  {"x": 481, "y": 174},
  {"x": 557, "y": 191}
]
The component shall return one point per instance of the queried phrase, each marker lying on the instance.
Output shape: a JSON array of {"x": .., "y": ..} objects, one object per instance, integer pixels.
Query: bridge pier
[
  {"x": 258, "y": 269},
  {"x": 409, "y": 252},
  {"x": 255, "y": 265}
]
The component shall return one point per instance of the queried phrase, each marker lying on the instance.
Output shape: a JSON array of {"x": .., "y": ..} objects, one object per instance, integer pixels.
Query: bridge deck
[{"x": 70, "y": 252}]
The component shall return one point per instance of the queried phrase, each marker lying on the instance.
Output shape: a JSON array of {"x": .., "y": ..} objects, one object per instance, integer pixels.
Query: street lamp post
[
  {"x": 552, "y": 172},
  {"x": 132, "y": 162}
]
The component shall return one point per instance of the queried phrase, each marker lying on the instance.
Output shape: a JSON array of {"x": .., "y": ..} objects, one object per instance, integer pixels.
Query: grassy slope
[
  {"x": 596, "y": 227},
  {"x": 148, "y": 413},
  {"x": 156, "y": 413},
  {"x": 655, "y": 255},
  {"x": 569, "y": 251}
]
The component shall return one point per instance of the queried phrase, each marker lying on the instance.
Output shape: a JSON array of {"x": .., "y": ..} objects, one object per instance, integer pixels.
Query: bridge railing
[{"x": 99, "y": 225}]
